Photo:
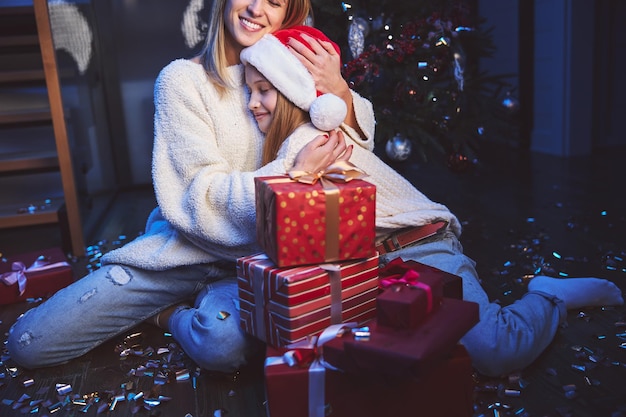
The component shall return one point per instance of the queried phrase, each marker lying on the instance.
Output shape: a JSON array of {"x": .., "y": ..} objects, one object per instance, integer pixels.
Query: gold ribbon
[{"x": 342, "y": 172}]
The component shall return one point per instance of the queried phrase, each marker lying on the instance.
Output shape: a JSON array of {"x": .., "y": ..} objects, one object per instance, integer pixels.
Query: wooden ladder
[{"x": 36, "y": 171}]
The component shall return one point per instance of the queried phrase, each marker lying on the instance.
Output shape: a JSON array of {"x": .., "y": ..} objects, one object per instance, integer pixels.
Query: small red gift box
[
  {"x": 408, "y": 299},
  {"x": 404, "y": 352},
  {"x": 283, "y": 305},
  {"x": 304, "y": 224},
  {"x": 312, "y": 391},
  {"x": 34, "y": 275},
  {"x": 452, "y": 284}
]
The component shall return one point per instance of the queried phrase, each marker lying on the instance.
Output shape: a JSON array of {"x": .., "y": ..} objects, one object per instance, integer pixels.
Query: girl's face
[
  {"x": 248, "y": 20},
  {"x": 263, "y": 98}
]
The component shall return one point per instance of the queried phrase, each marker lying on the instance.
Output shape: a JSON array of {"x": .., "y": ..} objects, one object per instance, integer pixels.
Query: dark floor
[{"x": 522, "y": 213}]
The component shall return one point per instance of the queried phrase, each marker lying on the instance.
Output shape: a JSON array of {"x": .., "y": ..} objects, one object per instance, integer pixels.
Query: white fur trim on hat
[{"x": 274, "y": 60}]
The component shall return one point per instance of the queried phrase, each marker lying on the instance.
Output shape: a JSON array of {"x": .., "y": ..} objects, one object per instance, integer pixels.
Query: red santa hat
[{"x": 272, "y": 58}]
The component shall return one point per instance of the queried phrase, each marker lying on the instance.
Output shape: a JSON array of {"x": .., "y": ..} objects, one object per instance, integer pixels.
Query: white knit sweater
[
  {"x": 398, "y": 203},
  {"x": 207, "y": 151}
]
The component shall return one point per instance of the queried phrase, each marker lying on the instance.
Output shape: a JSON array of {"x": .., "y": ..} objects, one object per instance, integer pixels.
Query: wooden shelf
[
  {"x": 29, "y": 161},
  {"x": 28, "y": 148},
  {"x": 19, "y": 40},
  {"x": 22, "y": 76},
  {"x": 30, "y": 198},
  {"x": 24, "y": 105},
  {"x": 44, "y": 212}
]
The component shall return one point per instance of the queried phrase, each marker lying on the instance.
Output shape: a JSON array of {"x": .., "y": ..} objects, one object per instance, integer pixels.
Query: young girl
[
  {"x": 207, "y": 151},
  {"x": 506, "y": 338}
]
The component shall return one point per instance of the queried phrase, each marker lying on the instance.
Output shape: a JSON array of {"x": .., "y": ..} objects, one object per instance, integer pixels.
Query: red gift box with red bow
[
  {"x": 309, "y": 390},
  {"x": 34, "y": 275},
  {"x": 408, "y": 299},
  {"x": 304, "y": 224},
  {"x": 452, "y": 284}
]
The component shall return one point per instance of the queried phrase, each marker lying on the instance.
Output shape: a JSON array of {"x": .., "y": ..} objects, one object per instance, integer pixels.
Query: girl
[
  {"x": 286, "y": 106},
  {"x": 207, "y": 151}
]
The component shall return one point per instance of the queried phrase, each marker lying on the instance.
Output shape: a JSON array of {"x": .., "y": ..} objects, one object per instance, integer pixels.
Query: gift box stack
[
  {"x": 319, "y": 266},
  {"x": 344, "y": 336},
  {"x": 34, "y": 275}
]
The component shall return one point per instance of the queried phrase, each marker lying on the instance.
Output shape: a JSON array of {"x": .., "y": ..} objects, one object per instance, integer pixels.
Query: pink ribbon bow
[
  {"x": 19, "y": 270},
  {"x": 409, "y": 278}
]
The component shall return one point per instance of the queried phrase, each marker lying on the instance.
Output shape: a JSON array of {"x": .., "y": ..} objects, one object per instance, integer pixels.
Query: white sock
[{"x": 579, "y": 292}]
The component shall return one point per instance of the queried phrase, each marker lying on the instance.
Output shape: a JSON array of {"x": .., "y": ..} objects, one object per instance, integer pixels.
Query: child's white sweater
[{"x": 398, "y": 203}]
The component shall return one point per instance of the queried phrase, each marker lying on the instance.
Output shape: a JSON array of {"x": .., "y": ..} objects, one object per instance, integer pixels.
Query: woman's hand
[
  {"x": 324, "y": 64},
  {"x": 321, "y": 152}
]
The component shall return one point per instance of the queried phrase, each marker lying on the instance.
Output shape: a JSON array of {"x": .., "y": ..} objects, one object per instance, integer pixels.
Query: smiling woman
[
  {"x": 206, "y": 153},
  {"x": 247, "y": 21}
]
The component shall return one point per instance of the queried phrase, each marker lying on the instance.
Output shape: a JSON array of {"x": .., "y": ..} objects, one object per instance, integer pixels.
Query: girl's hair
[
  {"x": 213, "y": 53},
  {"x": 287, "y": 117}
]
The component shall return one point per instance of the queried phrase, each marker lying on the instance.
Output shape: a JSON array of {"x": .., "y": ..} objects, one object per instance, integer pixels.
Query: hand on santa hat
[{"x": 324, "y": 64}]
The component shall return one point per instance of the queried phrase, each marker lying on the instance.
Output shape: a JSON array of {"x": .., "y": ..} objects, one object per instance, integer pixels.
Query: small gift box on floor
[
  {"x": 406, "y": 353},
  {"x": 306, "y": 389},
  {"x": 34, "y": 275},
  {"x": 284, "y": 305},
  {"x": 299, "y": 223}
]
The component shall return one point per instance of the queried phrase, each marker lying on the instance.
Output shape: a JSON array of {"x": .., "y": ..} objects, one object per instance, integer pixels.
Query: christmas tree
[{"x": 417, "y": 61}]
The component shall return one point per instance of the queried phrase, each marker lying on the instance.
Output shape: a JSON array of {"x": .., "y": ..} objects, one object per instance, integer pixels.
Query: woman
[
  {"x": 207, "y": 150},
  {"x": 506, "y": 338}
]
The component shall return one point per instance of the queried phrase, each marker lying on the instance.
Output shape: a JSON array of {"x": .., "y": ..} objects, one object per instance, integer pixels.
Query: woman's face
[
  {"x": 248, "y": 20},
  {"x": 263, "y": 98}
]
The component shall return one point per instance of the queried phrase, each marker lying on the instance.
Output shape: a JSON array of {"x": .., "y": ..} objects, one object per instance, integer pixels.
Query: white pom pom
[{"x": 327, "y": 112}]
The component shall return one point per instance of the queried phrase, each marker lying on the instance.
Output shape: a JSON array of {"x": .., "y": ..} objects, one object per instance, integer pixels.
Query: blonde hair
[
  {"x": 287, "y": 117},
  {"x": 213, "y": 53}
]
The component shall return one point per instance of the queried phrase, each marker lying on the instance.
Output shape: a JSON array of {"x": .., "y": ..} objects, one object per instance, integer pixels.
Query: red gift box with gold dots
[{"x": 302, "y": 224}]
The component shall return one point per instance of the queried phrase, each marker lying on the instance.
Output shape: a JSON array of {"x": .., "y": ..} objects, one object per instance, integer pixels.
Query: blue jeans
[
  {"x": 506, "y": 339},
  {"x": 113, "y": 299}
]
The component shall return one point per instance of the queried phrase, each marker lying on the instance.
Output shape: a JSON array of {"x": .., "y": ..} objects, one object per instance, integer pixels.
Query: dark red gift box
[
  {"x": 404, "y": 352},
  {"x": 408, "y": 299},
  {"x": 40, "y": 273},
  {"x": 446, "y": 391},
  {"x": 452, "y": 284},
  {"x": 306, "y": 224}
]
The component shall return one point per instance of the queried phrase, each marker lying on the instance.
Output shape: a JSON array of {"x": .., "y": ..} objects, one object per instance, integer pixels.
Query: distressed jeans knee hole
[
  {"x": 119, "y": 275},
  {"x": 25, "y": 339}
]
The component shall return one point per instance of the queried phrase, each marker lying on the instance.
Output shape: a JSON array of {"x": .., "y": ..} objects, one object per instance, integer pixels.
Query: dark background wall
[
  {"x": 569, "y": 55},
  {"x": 566, "y": 54}
]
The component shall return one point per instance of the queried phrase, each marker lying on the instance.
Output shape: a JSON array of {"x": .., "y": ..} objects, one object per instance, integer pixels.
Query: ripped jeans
[
  {"x": 506, "y": 339},
  {"x": 113, "y": 299}
]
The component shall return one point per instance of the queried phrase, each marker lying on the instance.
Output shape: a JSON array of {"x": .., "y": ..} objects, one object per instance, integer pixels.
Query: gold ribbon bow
[{"x": 341, "y": 171}]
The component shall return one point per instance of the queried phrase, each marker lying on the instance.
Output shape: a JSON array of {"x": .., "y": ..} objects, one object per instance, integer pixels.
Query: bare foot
[{"x": 579, "y": 292}]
